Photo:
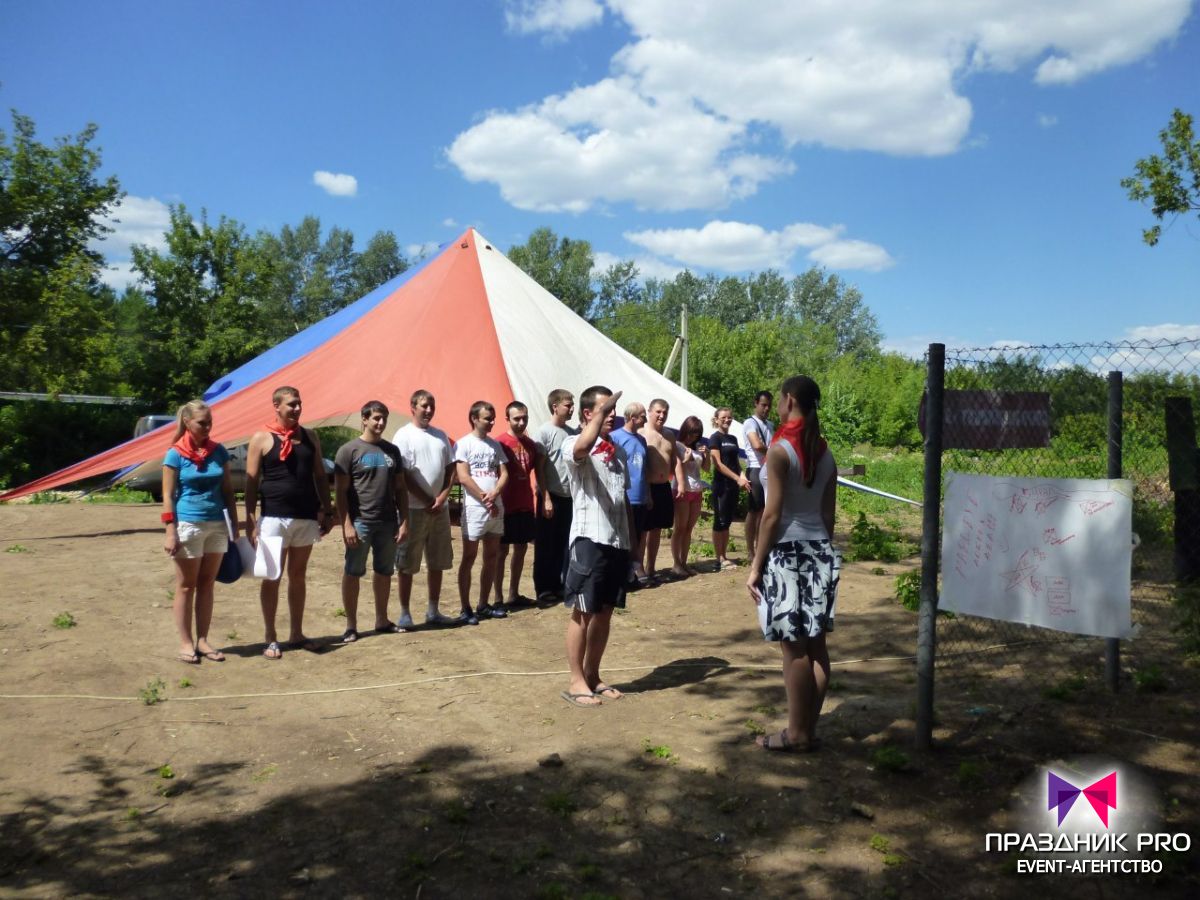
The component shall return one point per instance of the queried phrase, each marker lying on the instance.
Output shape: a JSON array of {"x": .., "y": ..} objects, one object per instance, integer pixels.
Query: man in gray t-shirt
[
  {"x": 372, "y": 505},
  {"x": 554, "y": 498}
]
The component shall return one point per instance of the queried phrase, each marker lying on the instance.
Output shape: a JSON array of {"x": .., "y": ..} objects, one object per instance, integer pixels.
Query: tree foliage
[
  {"x": 1170, "y": 182},
  {"x": 562, "y": 266}
]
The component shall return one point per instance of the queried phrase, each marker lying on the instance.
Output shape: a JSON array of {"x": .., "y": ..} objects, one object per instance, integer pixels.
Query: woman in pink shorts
[{"x": 689, "y": 491}]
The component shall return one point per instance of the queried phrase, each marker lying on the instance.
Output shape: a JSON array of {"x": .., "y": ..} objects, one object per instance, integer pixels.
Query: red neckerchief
[
  {"x": 188, "y": 449},
  {"x": 604, "y": 448},
  {"x": 285, "y": 438},
  {"x": 792, "y": 431}
]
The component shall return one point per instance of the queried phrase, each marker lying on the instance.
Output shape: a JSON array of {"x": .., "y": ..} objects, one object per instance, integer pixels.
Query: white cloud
[
  {"x": 134, "y": 220},
  {"x": 648, "y": 266},
  {"x": 417, "y": 252},
  {"x": 449, "y": 223},
  {"x": 336, "y": 184},
  {"x": 1046, "y": 120},
  {"x": 1168, "y": 331},
  {"x": 670, "y": 126},
  {"x": 738, "y": 246},
  {"x": 608, "y": 143},
  {"x": 557, "y": 17}
]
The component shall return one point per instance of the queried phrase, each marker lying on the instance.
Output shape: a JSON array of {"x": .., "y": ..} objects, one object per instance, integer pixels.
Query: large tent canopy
[{"x": 467, "y": 324}]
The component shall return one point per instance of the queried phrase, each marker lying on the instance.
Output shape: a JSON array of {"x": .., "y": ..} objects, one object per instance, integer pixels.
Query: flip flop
[
  {"x": 574, "y": 699},
  {"x": 349, "y": 636},
  {"x": 607, "y": 692},
  {"x": 389, "y": 628},
  {"x": 192, "y": 660},
  {"x": 214, "y": 655},
  {"x": 273, "y": 651}
]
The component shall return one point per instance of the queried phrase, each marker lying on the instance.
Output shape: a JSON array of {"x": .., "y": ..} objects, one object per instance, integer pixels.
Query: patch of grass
[
  {"x": 879, "y": 570},
  {"x": 889, "y": 759},
  {"x": 165, "y": 771},
  {"x": 893, "y": 859},
  {"x": 879, "y": 843},
  {"x": 185, "y": 682},
  {"x": 133, "y": 814},
  {"x": 908, "y": 590},
  {"x": 869, "y": 541},
  {"x": 153, "y": 692},
  {"x": 339, "y": 613},
  {"x": 701, "y": 550},
  {"x": 552, "y": 891},
  {"x": 17, "y": 548},
  {"x": 232, "y": 636},
  {"x": 765, "y": 709},
  {"x": 120, "y": 493},
  {"x": 1150, "y": 680},
  {"x": 754, "y": 728},
  {"x": 658, "y": 751},
  {"x": 588, "y": 871},
  {"x": 264, "y": 774},
  {"x": 49, "y": 497},
  {"x": 456, "y": 813},
  {"x": 561, "y": 803},
  {"x": 1066, "y": 689},
  {"x": 63, "y": 621},
  {"x": 969, "y": 774}
]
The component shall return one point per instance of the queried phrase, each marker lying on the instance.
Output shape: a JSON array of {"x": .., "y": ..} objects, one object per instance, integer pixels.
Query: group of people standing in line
[{"x": 592, "y": 499}]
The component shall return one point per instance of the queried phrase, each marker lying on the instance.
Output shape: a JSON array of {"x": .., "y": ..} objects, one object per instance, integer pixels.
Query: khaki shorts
[
  {"x": 428, "y": 537},
  {"x": 295, "y": 532},
  {"x": 197, "y": 539}
]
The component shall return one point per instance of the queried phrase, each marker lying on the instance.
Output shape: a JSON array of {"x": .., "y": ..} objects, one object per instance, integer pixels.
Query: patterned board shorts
[{"x": 799, "y": 588}]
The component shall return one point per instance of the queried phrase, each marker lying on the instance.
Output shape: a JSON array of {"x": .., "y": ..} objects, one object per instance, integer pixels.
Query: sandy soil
[{"x": 444, "y": 763}]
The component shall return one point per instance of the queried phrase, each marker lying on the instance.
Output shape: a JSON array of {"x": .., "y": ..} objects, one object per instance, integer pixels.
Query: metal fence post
[
  {"x": 930, "y": 539},
  {"x": 1116, "y": 395}
]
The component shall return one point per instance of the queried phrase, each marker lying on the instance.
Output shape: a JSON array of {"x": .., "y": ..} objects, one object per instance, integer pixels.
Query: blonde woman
[{"x": 197, "y": 492}]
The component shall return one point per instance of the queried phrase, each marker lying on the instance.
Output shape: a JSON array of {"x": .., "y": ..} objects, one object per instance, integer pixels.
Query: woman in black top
[
  {"x": 728, "y": 480},
  {"x": 284, "y": 465}
]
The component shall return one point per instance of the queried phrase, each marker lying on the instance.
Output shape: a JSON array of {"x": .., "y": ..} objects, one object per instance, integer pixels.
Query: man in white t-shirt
[
  {"x": 429, "y": 473},
  {"x": 757, "y": 431},
  {"x": 600, "y": 544},
  {"x": 482, "y": 473}
]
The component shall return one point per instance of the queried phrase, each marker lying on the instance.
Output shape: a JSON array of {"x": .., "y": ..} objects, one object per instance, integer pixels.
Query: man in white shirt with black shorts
[
  {"x": 600, "y": 545},
  {"x": 757, "y": 431}
]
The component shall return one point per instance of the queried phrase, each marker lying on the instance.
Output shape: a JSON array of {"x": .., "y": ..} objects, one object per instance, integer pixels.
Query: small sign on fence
[
  {"x": 993, "y": 420},
  {"x": 1053, "y": 552}
]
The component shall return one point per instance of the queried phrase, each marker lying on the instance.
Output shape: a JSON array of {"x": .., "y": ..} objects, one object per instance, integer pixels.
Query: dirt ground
[{"x": 444, "y": 763}]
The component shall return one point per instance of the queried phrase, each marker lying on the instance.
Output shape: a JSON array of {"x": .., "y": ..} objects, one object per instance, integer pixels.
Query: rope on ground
[{"x": 436, "y": 678}]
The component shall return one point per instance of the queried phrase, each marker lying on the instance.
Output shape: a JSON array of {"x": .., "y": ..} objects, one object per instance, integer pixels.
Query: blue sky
[{"x": 960, "y": 163}]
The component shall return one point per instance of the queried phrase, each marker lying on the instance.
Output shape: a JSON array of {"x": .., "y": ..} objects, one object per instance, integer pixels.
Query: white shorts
[
  {"x": 478, "y": 523},
  {"x": 197, "y": 539},
  {"x": 295, "y": 532}
]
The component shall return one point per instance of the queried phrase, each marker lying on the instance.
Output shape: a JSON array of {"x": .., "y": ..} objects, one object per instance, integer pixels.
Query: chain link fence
[{"x": 1139, "y": 423}]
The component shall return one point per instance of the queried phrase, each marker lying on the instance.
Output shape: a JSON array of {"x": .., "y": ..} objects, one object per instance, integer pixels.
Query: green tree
[
  {"x": 207, "y": 292},
  {"x": 617, "y": 286},
  {"x": 561, "y": 265},
  {"x": 55, "y": 325},
  {"x": 1170, "y": 182},
  {"x": 379, "y": 263},
  {"x": 822, "y": 299}
]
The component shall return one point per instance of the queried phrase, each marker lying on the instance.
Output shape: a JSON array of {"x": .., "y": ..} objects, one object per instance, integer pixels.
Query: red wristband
[{"x": 168, "y": 518}]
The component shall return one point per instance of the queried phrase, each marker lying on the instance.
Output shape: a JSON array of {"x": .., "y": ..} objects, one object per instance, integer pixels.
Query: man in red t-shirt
[{"x": 517, "y": 496}]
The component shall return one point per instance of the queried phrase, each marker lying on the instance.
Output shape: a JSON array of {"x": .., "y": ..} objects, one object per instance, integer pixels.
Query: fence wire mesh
[{"x": 986, "y": 661}]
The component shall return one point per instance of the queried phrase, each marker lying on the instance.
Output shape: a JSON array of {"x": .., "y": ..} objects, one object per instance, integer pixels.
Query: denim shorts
[{"x": 378, "y": 538}]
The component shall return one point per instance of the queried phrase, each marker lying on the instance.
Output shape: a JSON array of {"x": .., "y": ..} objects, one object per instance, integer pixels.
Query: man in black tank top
[{"x": 285, "y": 466}]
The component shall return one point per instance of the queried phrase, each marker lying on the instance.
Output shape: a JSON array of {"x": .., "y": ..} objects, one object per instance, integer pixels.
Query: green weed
[
  {"x": 879, "y": 843},
  {"x": 339, "y": 613},
  {"x": 754, "y": 728},
  {"x": 659, "y": 751},
  {"x": 869, "y": 541},
  {"x": 49, "y": 497},
  {"x": 561, "y": 803},
  {"x": 1150, "y": 680},
  {"x": 17, "y": 548},
  {"x": 153, "y": 692},
  {"x": 120, "y": 493},
  {"x": 889, "y": 759},
  {"x": 969, "y": 774},
  {"x": 1066, "y": 689},
  {"x": 63, "y": 621},
  {"x": 165, "y": 771},
  {"x": 265, "y": 773},
  {"x": 908, "y": 590},
  {"x": 185, "y": 682}
]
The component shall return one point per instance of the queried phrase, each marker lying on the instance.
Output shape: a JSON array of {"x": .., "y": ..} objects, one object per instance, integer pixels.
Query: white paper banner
[{"x": 1037, "y": 551}]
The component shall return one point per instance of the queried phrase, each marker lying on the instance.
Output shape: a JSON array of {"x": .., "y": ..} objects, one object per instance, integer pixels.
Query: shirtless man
[{"x": 660, "y": 467}]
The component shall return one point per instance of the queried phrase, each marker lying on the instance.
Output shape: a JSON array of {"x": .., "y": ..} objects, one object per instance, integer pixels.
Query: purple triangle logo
[{"x": 1061, "y": 794}]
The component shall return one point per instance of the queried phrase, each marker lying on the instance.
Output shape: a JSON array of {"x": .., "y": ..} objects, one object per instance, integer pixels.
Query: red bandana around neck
[
  {"x": 188, "y": 449},
  {"x": 285, "y": 438},
  {"x": 792, "y": 431}
]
